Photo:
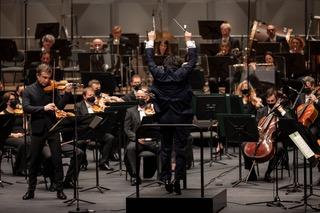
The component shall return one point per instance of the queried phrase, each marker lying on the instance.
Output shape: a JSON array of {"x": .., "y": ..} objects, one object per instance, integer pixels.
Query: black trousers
[
  {"x": 36, "y": 147},
  {"x": 178, "y": 136}
]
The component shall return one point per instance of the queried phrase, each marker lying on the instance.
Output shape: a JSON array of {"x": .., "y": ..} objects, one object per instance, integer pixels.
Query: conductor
[{"x": 172, "y": 103}]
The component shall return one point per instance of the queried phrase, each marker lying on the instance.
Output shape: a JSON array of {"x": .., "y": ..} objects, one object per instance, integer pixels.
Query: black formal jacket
[
  {"x": 81, "y": 108},
  {"x": 33, "y": 101},
  {"x": 129, "y": 97},
  {"x": 131, "y": 123},
  {"x": 172, "y": 88}
]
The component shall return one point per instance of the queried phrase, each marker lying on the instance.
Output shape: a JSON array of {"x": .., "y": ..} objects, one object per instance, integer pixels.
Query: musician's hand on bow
[
  {"x": 313, "y": 98},
  {"x": 152, "y": 35},
  {"x": 187, "y": 36},
  {"x": 280, "y": 109},
  {"x": 50, "y": 107}
]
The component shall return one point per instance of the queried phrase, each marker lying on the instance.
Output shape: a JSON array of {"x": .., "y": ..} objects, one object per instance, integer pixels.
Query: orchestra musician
[
  {"x": 273, "y": 37},
  {"x": 42, "y": 107},
  {"x": 47, "y": 42},
  {"x": 272, "y": 100},
  {"x": 172, "y": 103},
  {"x": 224, "y": 49},
  {"x": 97, "y": 61},
  {"x": 135, "y": 83},
  {"x": 225, "y": 29},
  {"x": 106, "y": 140},
  {"x": 132, "y": 121},
  {"x": 296, "y": 45},
  {"x": 16, "y": 137}
]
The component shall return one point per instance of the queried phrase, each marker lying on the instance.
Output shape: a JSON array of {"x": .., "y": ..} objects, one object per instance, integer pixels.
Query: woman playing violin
[{"x": 273, "y": 108}]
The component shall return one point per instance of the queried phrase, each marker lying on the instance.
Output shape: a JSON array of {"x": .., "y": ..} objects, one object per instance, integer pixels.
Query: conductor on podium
[{"x": 172, "y": 103}]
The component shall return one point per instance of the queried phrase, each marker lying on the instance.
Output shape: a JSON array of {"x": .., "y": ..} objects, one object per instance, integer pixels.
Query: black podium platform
[{"x": 156, "y": 199}]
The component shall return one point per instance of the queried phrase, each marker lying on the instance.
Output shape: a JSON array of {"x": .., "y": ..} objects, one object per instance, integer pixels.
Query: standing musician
[
  {"x": 42, "y": 107},
  {"x": 106, "y": 140},
  {"x": 225, "y": 29},
  {"x": 97, "y": 60},
  {"x": 172, "y": 103},
  {"x": 273, "y": 105}
]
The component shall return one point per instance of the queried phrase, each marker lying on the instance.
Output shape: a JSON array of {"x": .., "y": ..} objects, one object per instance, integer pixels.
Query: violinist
[
  {"x": 135, "y": 84},
  {"x": 106, "y": 141},
  {"x": 42, "y": 106},
  {"x": 102, "y": 98},
  {"x": 273, "y": 105},
  {"x": 16, "y": 137}
]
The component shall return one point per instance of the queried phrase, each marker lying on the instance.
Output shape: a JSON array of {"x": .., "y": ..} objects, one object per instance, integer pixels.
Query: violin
[
  {"x": 62, "y": 114},
  {"x": 60, "y": 85},
  {"x": 149, "y": 109},
  {"x": 18, "y": 110}
]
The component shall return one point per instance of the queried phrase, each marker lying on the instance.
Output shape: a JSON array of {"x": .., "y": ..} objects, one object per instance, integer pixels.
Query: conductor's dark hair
[{"x": 172, "y": 62}]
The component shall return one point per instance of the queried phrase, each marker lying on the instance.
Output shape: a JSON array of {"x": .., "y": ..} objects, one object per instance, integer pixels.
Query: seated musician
[
  {"x": 135, "y": 84},
  {"x": 224, "y": 49},
  {"x": 16, "y": 137},
  {"x": 225, "y": 29},
  {"x": 296, "y": 45},
  {"x": 272, "y": 99},
  {"x": 132, "y": 121},
  {"x": 250, "y": 101},
  {"x": 47, "y": 42},
  {"x": 273, "y": 37},
  {"x": 106, "y": 140},
  {"x": 97, "y": 60},
  {"x": 308, "y": 96},
  {"x": 103, "y": 98},
  {"x": 269, "y": 58}
]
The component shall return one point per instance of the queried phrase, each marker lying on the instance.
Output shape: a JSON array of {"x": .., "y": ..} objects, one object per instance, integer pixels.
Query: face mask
[
  {"x": 271, "y": 106},
  {"x": 97, "y": 92},
  {"x": 245, "y": 92},
  {"x": 137, "y": 87},
  {"x": 307, "y": 90},
  {"x": 141, "y": 102},
  {"x": 13, "y": 104},
  {"x": 91, "y": 99}
]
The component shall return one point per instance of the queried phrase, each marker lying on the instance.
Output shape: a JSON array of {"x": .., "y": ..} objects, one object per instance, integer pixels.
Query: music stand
[
  {"x": 209, "y": 49},
  {"x": 210, "y": 29},
  {"x": 262, "y": 47},
  {"x": 120, "y": 108},
  {"x": 63, "y": 48},
  {"x": 314, "y": 49},
  {"x": 47, "y": 28},
  {"x": 106, "y": 80},
  {"x": 239, "y": 128},
  {"x": 6, "y": 124},
  {"x": 206, "y": 108},
  {"x": 295, "y": 64},
  {"x": 8, "y": 51}
]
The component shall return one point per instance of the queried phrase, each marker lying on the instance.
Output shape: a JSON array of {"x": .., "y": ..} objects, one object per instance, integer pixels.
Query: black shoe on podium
[{"x": 29, "y": 195}]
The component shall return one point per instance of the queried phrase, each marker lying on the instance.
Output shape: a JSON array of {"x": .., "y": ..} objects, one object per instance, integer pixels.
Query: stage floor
[{"x": 216, "y": 177}]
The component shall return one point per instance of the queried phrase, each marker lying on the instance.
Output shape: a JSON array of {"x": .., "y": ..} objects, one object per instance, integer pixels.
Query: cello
[{"x": 263, "y": 150}]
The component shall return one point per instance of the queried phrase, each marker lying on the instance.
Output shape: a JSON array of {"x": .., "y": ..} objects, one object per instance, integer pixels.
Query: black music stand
[
  {"x": 8, "y": 51},
  {"x": 210, "y": 29},
  {"x": 295, "y": 64},
  {"x": 99, "y": 131},
  {"x": 106, "y": 79},
  {"x": 239, "y": 128},
  {"x": 120, "y": 108},
  {"x": 314, "y": 49},
  {"x": 206, "y": 108},
  {"x": 78, "y": 124},
  {"x": 6, "y": 124},
  {"x": 262, "y": 47},
  {"x": 47, "y": 28},
  {"x": 209, "y": 49},
  {"x": 63, "y": 48}
]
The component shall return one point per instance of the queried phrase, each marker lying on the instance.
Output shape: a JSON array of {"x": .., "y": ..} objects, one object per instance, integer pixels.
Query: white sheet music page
[{"x": 301, "y": 144}]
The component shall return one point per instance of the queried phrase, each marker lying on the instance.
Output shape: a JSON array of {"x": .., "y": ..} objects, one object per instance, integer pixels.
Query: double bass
[{"x": 263, "y": 150}]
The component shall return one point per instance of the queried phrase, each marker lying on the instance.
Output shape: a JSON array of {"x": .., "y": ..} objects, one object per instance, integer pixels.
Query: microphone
[
  {"x": 315, "y": 17},
  {"x": 292, "y": 89}
]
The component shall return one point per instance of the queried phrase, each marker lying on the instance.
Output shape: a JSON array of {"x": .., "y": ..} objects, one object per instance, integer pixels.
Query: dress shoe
[
  {"x": 252, "y": 176},
  {"x": 114, "y": 157},
  {"x": 83, "y": 167},
  {"x": 135, "y": 181},
  {"x": 268, "y": 178},
  {"x": 61, "y": 195},
  {"x": 68, "y": 185},
  {"x": 177, "y": 187},
  {"x": 168, "y": 186},
  {"x": 105, "y": 167},
  {"x": 29, "y": 195}
]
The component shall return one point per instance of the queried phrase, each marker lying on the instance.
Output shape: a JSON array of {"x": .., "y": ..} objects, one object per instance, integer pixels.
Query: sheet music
[{"x": 302, "y": 145}]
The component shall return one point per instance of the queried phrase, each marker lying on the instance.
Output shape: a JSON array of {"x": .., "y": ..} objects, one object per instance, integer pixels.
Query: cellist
[
  {"x": 273, "y": 105},
  {"x": 308, "y": 106}
]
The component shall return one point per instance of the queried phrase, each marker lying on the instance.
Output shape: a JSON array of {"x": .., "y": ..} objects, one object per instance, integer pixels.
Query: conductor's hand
[
  {"x": 50, "y": 107},
  {"x": 152, "y": 35},
  {"x": 187, "y": 36}
]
